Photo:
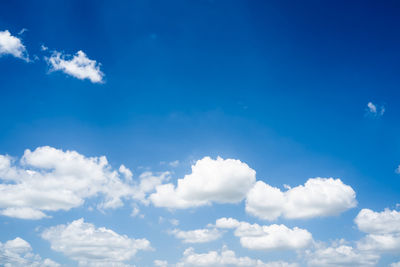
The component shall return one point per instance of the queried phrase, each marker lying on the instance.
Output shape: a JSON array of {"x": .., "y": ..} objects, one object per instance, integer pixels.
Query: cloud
[
  {"x": 317, "y": 197},
  {"x": 267, "y": 237},
  {"x": 78, "y": 66},
  {"x": 148, "y": 181},
  {"x": 224, "y": 257},
  {"x": 18, "y": 253},
  {"x": 92, "y": 246},
  {"x": 219, "y": 180},
  {"x": 395, "y": 264},
  {"x": 160, "y": 263},
  {"x": 11, "y": 45},
  {"x": 49, "y": 179},
  {"x": 340, "y": 254},
  {"x": 385, "y": 222},
  {"x": 374, "y": 110},
  {"x": 197, "y": 236},
  {"x": 382, "y": 228}
]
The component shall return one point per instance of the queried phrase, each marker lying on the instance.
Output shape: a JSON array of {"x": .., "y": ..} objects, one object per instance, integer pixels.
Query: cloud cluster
[
  {"x": 382, "y": 228},
  {"x": 78, "y": 66},
  {"x": 12, "y": 45},
  {"x": 267, "y": 237},
  {"x": 225, "y": 257},
  {"x": 92, "y": 246},
  {"x": 49, "y": 179},
  {"x": 317, "y": 197},
  {"x": 219, "y": 181},
  {"x": 18, "y": 253},
  {"x": 340, "y": 254}
]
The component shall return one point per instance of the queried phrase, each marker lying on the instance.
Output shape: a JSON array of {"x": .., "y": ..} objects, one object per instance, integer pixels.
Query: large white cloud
[
  {"x": 267, "y": 237},
  {"x": 225, "y": 257},
  {"x": 382, "y": 228},
  {"x": 49, "y": 179},
  {"x": 212, "y": 180},
  {"x": 340, "y": 254},
  {"x": 92, "y": 246},
  {"x": 18, "y": 253},
  {"x": 197, "y": 236},
  {"x": 78, "y": 66},
  {"x": 11, "y": 45},
  {"x": 317, "y": 197},
  {"x": 385, "y": 222}
]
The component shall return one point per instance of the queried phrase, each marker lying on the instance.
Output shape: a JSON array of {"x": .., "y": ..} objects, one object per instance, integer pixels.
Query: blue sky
[{"x": 253, "y": 106}]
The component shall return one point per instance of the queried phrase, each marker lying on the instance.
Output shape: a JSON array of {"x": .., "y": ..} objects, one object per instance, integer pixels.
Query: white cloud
[
  {"x": 267, "y": 237},
  {"x": 49, "y": 179},
  {"x": 340, "y": 254},
  {"x": 18, "y": 253},
  {"x": 197, "y": 236},
  {"x": 227, "y": 223},
  {"x": 225, "y": 257},
  {"x": 160, "y": 263},
  {"x": 148, "y": 182},
  {"x": 220, "y": 181},
  {"x": 382, "y": 228},
  {"x": 11, "y": 45},
  {"x": 395, "y": 264},
  {"x": 317, "y": 197},
  {"x": 375, "y": 110},
  {"x": 92, "y": 246},
  {"x": 78, "y": 66},
  {"x": 385, "y": 222}
]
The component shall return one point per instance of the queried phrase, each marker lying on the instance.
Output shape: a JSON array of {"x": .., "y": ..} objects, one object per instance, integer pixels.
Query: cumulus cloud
[
  {"x": 91, "y": 246},
  {"x": 340, "y": 254},
  {"x": 224, "y": 257},
  {"x": 219, "y": 180},
  {"x": 197, "y": 236},
  {"x": 18, "y": 253},
  {"x": 148, "y": 181},
  {"x": 267, "y": 237},
  {"x": 11, "y": 45},
  {"x": 78, "y": 66},
  {"x": 382, "y": 228},
  {"x": 374, "y": 110},
  {"x": 385, "y": 222},
  {"x": 49, "y": 179},
  {"x": 317, "y": 197}
]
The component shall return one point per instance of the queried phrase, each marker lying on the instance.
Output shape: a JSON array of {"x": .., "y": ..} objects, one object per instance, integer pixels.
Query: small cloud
[
  {"x": 375, "y": 110},
  {"x": 398, "y": 169},
  {"x": 174, "y": 222},
  {"x": 11, "y": 45},
  {"x": 22, "y": 31},
  {"x": 43, "y": 47},
  {"x": 78, "y": 66},
  {"x": 174, "y": 163}
]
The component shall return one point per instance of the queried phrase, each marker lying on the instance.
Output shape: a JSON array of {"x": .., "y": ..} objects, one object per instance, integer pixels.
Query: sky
[{"x": 199, "y": 133}]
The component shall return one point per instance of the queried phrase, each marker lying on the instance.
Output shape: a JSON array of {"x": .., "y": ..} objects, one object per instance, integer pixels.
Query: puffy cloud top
[
  {"x": 317, "y": 197},
  {"x": 219, "y": 180},
  {"x": 89, "y": 245},
  {"x": 49, "y": 179},
  {"x": 267, "y": 237}
]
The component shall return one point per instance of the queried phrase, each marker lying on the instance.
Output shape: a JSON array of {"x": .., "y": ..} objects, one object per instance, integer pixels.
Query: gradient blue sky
[{"x": 282, "y": 86}]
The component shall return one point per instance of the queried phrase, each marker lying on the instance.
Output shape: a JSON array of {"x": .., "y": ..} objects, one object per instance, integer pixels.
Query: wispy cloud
[{"x": 78, "y": 66}]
